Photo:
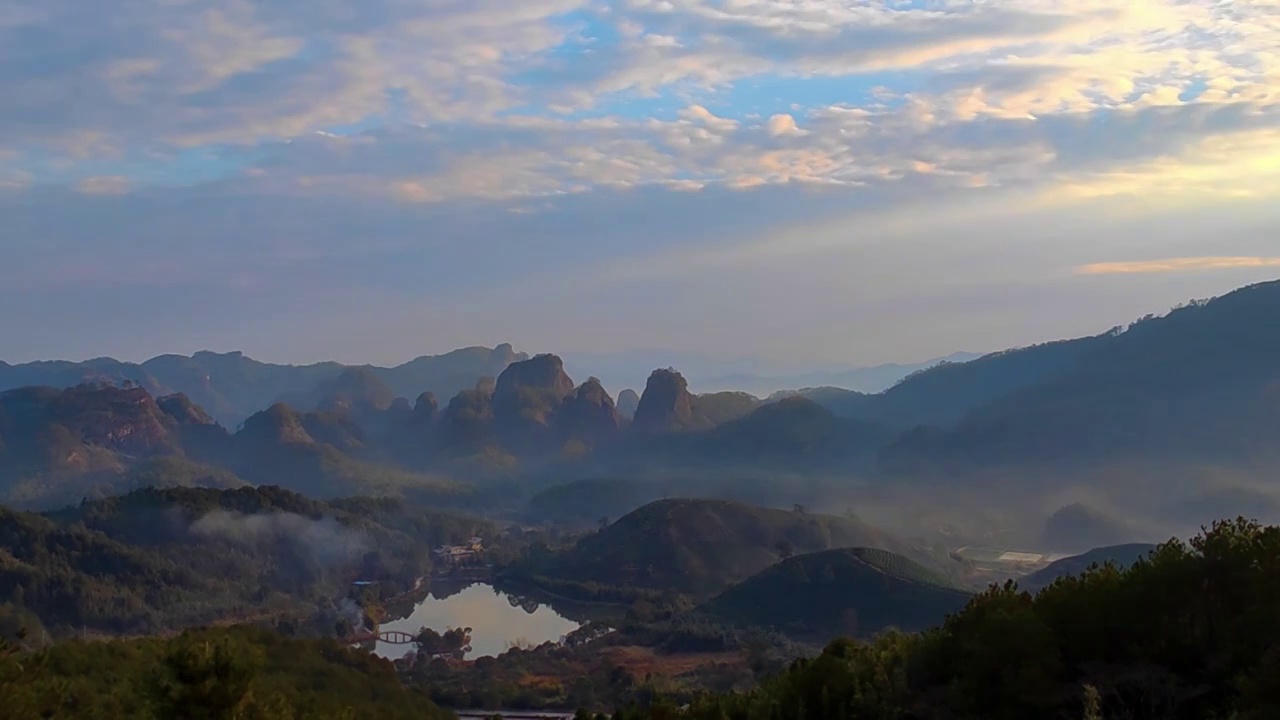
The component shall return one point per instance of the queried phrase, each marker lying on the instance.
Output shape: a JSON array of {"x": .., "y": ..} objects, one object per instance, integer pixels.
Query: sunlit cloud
[
  {"x": 1178, "y": 265},
  {"x": 870, "y": 156}
]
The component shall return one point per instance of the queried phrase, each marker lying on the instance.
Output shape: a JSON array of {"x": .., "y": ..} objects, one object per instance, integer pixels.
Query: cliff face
[
  {"x": 184, "y": 412},
  {"x": 528, "y": 397},
  {"x": 590, "y": 414},
  {"x": 51, "y": 436},
  {"x": 542, "y": 372},
  {"x": 666, "y": 403},
  {"x": 126, "y": 420}
]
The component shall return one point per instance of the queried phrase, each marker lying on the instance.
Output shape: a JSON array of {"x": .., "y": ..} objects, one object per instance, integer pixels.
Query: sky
[{"x": 801, "y": 183}]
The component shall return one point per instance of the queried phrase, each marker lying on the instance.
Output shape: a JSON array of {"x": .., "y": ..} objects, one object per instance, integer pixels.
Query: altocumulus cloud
[{"x": 287, "y": 153}]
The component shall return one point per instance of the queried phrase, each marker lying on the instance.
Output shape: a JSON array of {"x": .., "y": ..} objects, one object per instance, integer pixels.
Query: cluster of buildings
[{"x": 457, "y": 555}]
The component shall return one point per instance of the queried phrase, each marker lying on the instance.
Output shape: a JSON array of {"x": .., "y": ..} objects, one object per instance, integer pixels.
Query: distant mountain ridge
[
  {"x": 1201, "y": 384},
  {"x": 872, "y": 379},
  {"x": 231, "y": 387}
]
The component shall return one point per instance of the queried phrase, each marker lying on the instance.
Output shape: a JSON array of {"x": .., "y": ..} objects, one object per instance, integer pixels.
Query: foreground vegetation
[
  {"x": 1190, "y": 632},
  {"x": 241, "y": 673}
]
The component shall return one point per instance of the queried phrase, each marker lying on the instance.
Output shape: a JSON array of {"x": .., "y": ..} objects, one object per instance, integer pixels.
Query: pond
[{"x": 497, "y": 620}]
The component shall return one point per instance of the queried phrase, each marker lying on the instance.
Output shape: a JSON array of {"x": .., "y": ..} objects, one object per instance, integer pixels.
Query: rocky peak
[
  {"x": 126, "y": 420},
  {"x": 425, "y": 409},
  {"x": 356, "y": 388},
  {"x": 505, "y": 354},
  {"x": 590, "y": 413},
  {"x": 179, "y": 407},
  {"x": 628, "y": 400},
  {"x": 666, "y": 403},
  {"x": 541, "y": 372},
  {"x": 278, "y": 424},
  {"x": 400, "y": 411}
]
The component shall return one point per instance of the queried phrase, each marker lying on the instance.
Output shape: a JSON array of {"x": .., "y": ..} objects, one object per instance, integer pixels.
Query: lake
[{"x": 496, "y": 619}]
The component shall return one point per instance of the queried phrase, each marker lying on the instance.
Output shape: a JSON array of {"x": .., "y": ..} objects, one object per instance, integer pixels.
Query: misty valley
[{"x": 1084, "y": 529}]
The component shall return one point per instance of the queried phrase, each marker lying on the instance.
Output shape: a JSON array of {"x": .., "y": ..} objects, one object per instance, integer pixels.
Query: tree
[
  {"x": 206, "y": 680},
  {"x": 785, "y": 549}
]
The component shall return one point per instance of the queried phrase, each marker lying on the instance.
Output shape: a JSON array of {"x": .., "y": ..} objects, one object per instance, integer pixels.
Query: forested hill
[
  {"x": 701, "y": 547},
  {"x": 1187, "y": 634},
  {"x": 161, "y": 559},
  {"x": 856, "y": 592},
  {"x": 1199, "y": 384}
]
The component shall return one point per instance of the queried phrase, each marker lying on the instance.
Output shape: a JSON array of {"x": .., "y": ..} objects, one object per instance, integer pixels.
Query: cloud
[
  {"x": 104, "y": 185},
  {"x": 457, "y": 159},
  {"x": 782, "y": 124},
  {"x": 1178, "y": 265}
]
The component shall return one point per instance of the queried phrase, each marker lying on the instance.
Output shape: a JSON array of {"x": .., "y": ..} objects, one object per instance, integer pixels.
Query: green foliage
[
  {"x": 158, "y": 559},
  {"x": 698, "y": 547},
  {"x": 856, "y": 592},
  {"x": 1188, "y": 633},
  {"x": 219, "y": 674}
]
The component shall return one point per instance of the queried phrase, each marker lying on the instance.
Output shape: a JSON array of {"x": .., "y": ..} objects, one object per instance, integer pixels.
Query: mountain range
[
  {"x": 1200, "y": 384},
  {"x": 231, "y": 387}
]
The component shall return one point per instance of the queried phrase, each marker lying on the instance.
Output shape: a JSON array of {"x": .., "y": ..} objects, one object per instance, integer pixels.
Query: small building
[{"x": 460, "y": 554}]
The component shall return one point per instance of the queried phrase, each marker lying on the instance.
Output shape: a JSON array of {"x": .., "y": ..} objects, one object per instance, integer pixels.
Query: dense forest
[
  {"x": 238, "y": 673},
  {"x": 1189, "y": 632},
  {"x": 159, "y": 559}
]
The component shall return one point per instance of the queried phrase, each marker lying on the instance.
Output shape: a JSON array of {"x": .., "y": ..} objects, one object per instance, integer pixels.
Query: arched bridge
[
  {"x": 391, "y": 637},
  {"x": 395, "y": 637}
]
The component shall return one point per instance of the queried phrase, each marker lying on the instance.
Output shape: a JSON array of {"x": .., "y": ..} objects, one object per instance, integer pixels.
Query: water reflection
[{"x": 497, "y": 620}]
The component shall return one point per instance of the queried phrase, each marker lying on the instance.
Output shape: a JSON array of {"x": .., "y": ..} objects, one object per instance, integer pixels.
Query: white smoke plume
[{"x": 328, "y": 541}]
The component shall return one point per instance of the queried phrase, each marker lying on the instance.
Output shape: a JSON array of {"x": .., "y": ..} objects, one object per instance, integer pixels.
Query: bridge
[
  {"x": 395, "y": 637},
  {"x": 391, "y": 637}
]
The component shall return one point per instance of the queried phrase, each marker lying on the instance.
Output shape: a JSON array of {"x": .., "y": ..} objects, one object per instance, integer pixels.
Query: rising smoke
[{"x": 327, "y": 541}]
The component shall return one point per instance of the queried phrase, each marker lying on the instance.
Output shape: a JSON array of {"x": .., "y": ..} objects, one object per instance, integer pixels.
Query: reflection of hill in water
[
  {"x": 496, "y": 619},
  {"x": 530, "y": 599},
  {"x": 528, "y": 604},
  {"x": 526, "y": 599},
  {"x": 443, "y": 589}
]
